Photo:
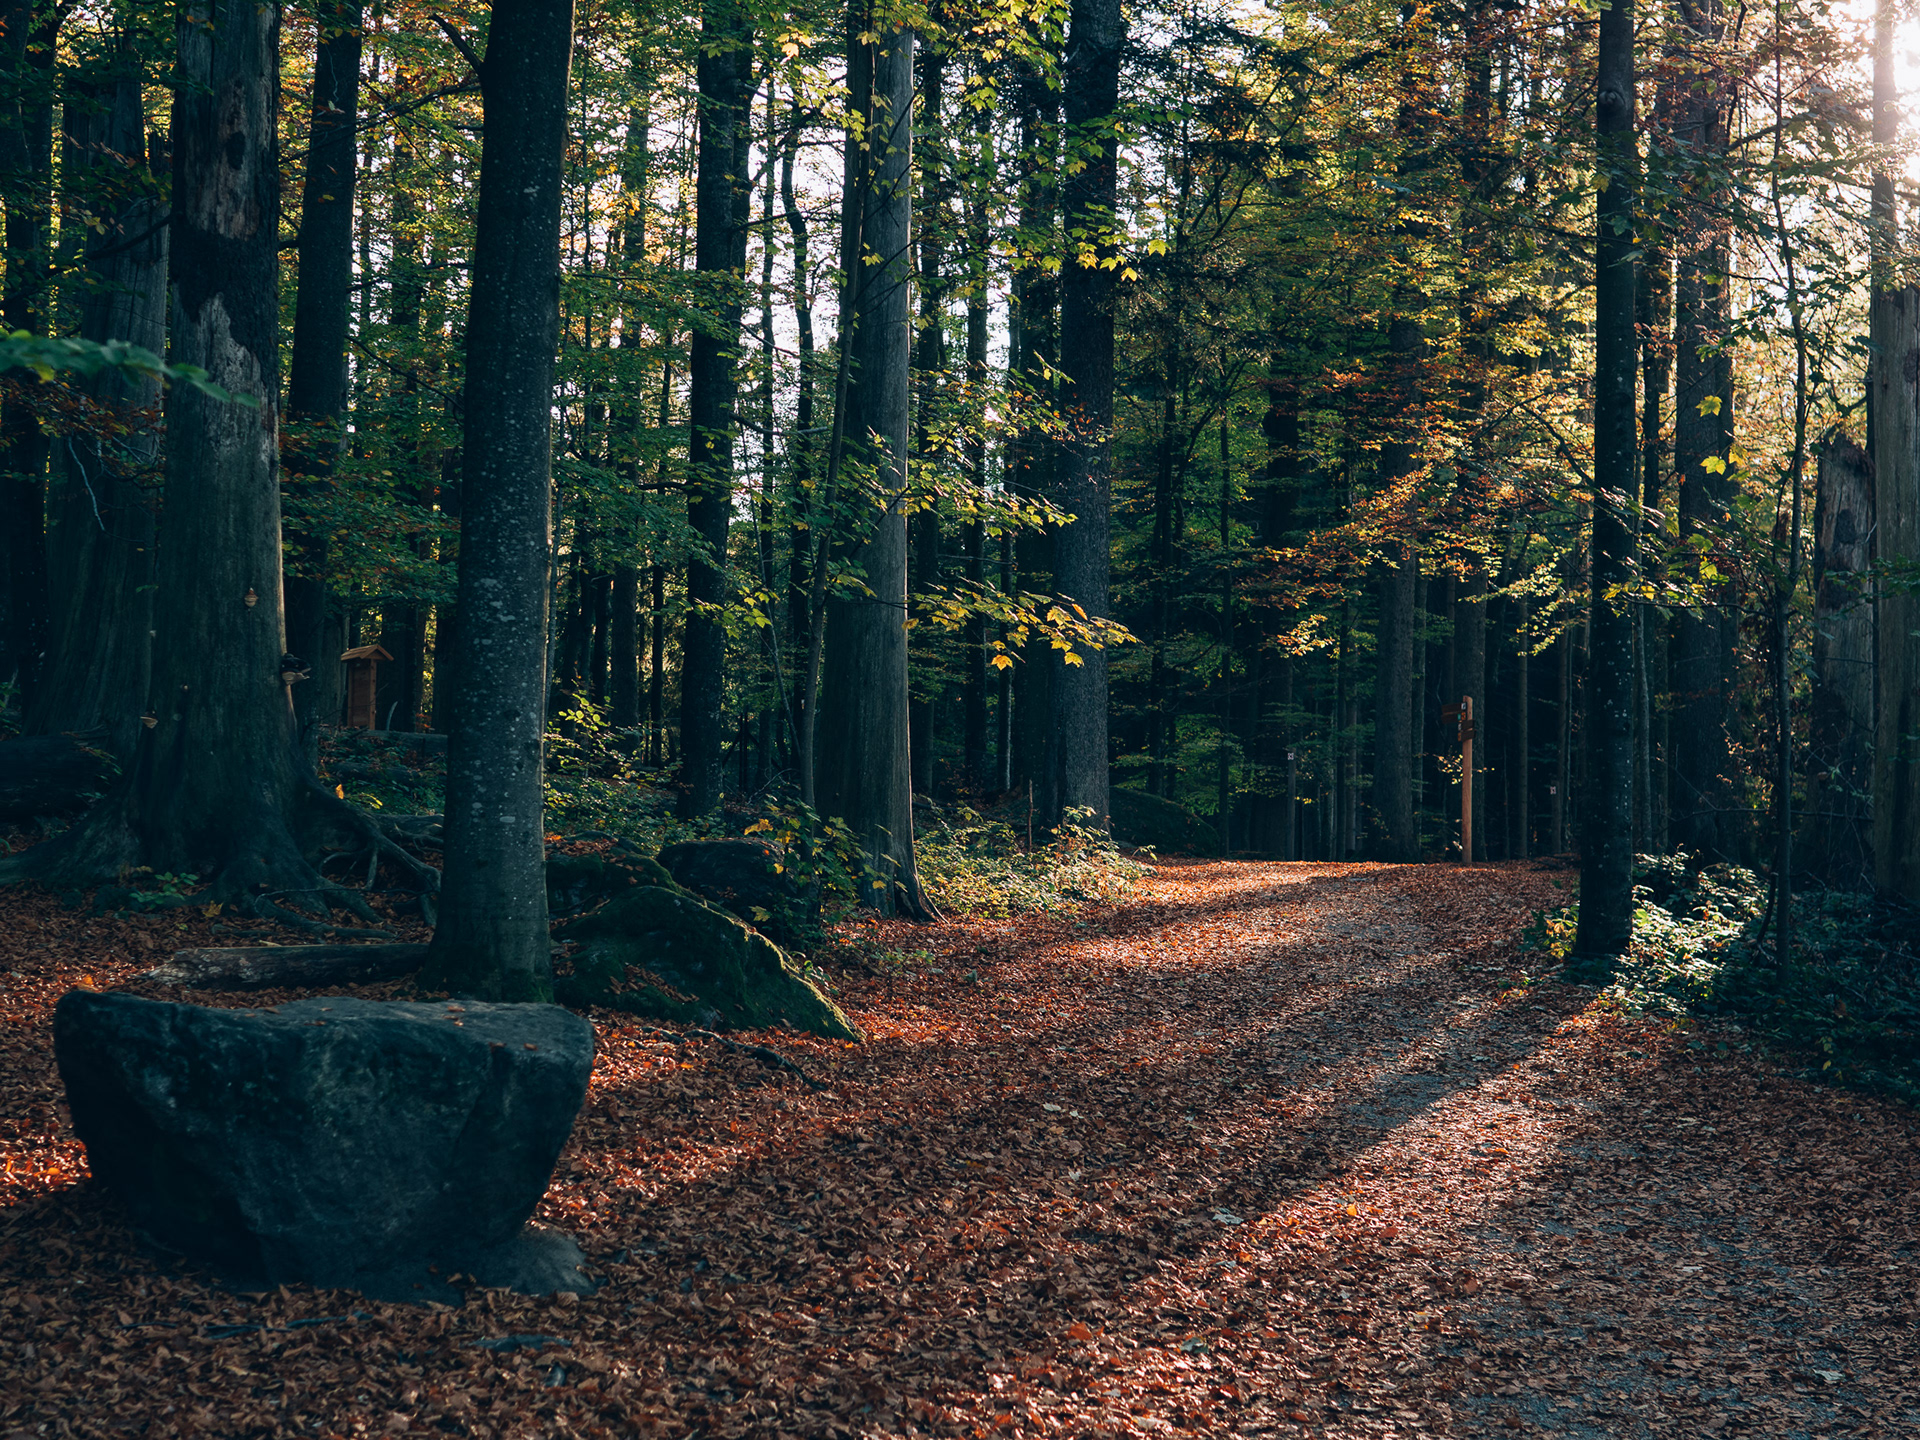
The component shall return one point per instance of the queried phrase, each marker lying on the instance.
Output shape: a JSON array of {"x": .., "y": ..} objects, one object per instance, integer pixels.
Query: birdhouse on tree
[{"x": 363, "y": 675}]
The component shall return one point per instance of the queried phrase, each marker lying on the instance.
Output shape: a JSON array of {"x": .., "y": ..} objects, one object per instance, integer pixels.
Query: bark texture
[
  {"x": 1096, "y": 33},
  {"x": 864, "y": 772},
  {"x": 492, "y": 937},
  {"x": 317, "y": 366},
  {"x": 1606, "y": 853},
  {"x": 102, "y": 525},
  {"x": 1836, "y": 839},
  {"x": 1896, "y": 751},
  {"x": 725, "y": 77}
]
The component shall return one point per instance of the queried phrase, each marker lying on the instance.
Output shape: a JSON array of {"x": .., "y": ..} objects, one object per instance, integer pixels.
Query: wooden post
[
  {"x": 1466, "y": 780},
  {"x": 1463, "y": 714}
]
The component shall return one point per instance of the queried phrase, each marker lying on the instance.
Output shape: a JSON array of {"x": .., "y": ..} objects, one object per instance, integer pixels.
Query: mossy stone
[
  {"x": 1166, "y": 825},
  {"x": 659, "y": 951},
  {"x": 576, "y": 882}
]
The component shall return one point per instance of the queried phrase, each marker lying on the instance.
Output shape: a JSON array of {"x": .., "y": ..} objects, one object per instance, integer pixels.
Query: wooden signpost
[{"x": 1463, "y": 713}]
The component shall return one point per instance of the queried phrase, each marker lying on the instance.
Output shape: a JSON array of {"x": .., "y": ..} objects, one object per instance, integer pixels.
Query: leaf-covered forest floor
[{"x": 1263, "y": 1149}]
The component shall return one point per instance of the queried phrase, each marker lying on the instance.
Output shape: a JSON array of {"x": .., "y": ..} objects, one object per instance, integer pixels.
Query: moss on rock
[
  {"x": 662, "y": 952},
  {"x": 1169, "y": 827}
]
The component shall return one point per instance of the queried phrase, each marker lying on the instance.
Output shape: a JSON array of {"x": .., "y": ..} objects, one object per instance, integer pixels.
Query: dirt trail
[{"x": 1266, "y": 1150}]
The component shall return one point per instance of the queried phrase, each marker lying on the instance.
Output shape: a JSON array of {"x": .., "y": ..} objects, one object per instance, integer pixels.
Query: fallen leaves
[{"x": 1263, "y": 1150}]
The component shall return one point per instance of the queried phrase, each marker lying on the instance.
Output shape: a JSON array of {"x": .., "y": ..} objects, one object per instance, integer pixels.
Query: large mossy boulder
[
  {"x": 749, "y": 877},
  {"x": 579, "y": 882},
  {"x": 1169, "y": 827},
  {"x": 351, "y": 1143},
  {"x": 665, "y": 953}
]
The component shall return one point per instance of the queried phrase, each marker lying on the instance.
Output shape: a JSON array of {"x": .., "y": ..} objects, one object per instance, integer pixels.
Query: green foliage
[
  {"x": 974, "y": 866},
  {"x": 1849, "y": 1000}
]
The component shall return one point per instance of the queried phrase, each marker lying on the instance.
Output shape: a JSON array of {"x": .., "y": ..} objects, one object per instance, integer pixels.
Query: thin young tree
[
  {"x": 492, "y": 935},
  {"x": 1606, "y": 854}
]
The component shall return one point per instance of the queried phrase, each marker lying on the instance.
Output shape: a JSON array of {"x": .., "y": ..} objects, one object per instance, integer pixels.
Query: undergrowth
[
  {"x": 1848, "y": 1000},
  {"x": 970, "y": 865},
  {"x": 975, "y": 866}
]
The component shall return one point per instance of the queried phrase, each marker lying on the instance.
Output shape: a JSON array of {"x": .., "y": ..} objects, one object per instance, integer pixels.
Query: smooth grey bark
[
  {"x": 1090, "y": 96},
  {"x": 492, "y": 936},
  {"x": 863, "y": 772},
  {"x": 1606, "y": 853},
  {"x": 1896, "y": 751},
  {"x": 1836, "y": 839},
  {"x": 725, "y": 79},
  {"x": 102, "y": 523},
  {"x": 317, "y": 366}
]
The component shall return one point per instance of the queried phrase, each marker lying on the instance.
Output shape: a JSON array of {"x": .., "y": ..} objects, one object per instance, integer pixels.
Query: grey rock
[
  {"x": 750, "y": 878},
  {"x": 349, "y": 1143}
]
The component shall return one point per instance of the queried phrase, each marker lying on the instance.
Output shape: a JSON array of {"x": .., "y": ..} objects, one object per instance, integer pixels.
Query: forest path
[{"x": 1266, "y": 1149}]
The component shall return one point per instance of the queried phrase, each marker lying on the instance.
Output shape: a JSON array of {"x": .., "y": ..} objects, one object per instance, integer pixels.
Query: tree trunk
[
  {"x": 623, "y": 648},
  {"x": 1606, "y": 854},
  {"x": 1394, "y": 700},
  {"x": 1896, "y": 751},
  {"x": 1470, "y": 680},
  {"x": 492, "y": 938},
  {"x": 864, "y": 773},
  {"x": 26, "y": 160},
  {"x": 929, "y": 363},
  {"x": 317, "y": 367},
  {"x": 1096, "y": 34},
  {"x": 101, "y": 537},
  {"x": 1836, "y": 841},
  {"x": 725, "y": 78},
  {"x": 215, "y": 786},
  {"x": 974, "y": 677},
  {"x": 1031, "y": 463},
  {"x": 1702, "y": 429}
]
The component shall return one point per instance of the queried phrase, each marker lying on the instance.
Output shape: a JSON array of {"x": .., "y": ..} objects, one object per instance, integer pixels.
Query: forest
[
  {"x": 1043, "y": 407},
  {"x": 1060, "y": 718}
]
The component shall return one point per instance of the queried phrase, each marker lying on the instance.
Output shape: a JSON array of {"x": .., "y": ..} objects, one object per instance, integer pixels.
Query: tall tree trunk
[
  {"x": 864, "y": 769},
  {"x": 1606, "y": 853},
  {"x": 725, "y": 78},
  {"x": 1393, "y": 698},
  {"x": 317, "y": 366},
  {"x": 974, "y": 677},
  {"x": 492, "y": 938},
  {"x": 802, "y": 539},
  {"x": 403, "y": 621},
  {"x": 1035, "y": 356},
  {"x": 1096, "y": 34},
  {"x": 1896, "y": 751},
  {"x": 26, "y": 169},
  {"x": 217, "y": 784},
  {"x": 1702, "y": 429},
  {"x": 101, "y": 537},
  {"x": 1470, "y": 681},
  {"x": 929, "y": 363},
  {"x": 1837, "y": 836}
]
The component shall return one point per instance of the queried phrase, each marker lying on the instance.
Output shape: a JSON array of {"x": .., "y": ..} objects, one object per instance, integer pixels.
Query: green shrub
[{"x": 1848, "y": 1000}]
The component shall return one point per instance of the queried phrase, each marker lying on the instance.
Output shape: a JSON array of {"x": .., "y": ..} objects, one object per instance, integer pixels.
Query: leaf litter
[{"x": 1258, "y": 1150}]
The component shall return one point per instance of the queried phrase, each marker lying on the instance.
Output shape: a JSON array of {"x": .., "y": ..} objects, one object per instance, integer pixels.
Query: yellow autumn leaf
[
  {"x": 1708, "y": 406},
  {"x": 758, "y": 826},
  {"x": 1714, "y": 465}
]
